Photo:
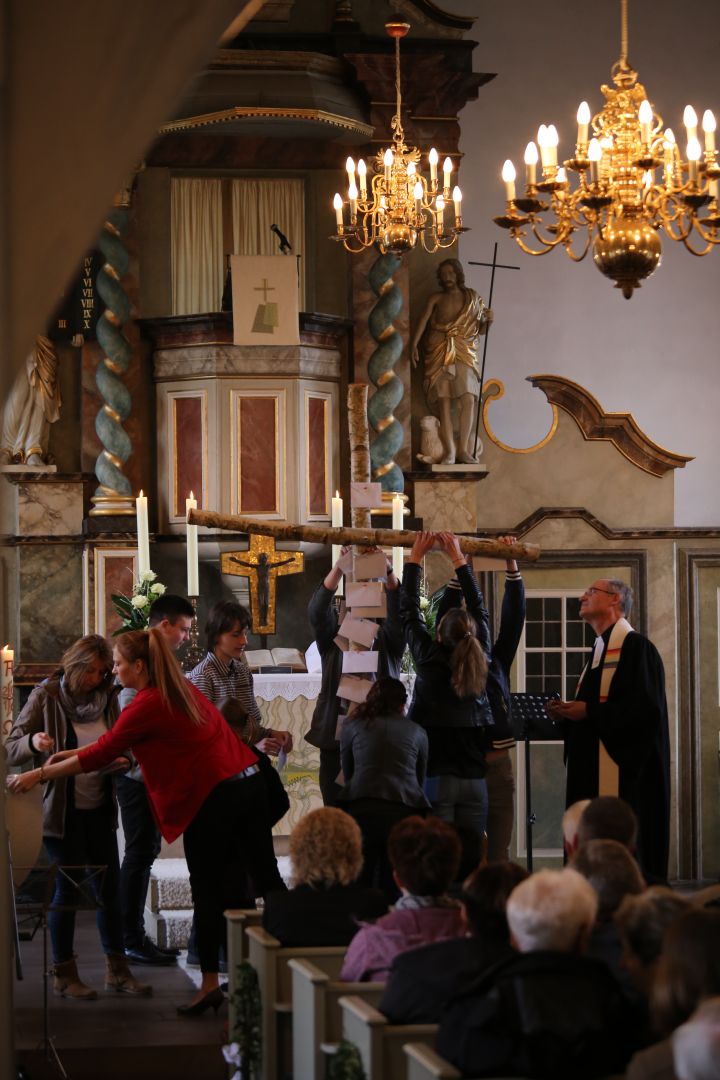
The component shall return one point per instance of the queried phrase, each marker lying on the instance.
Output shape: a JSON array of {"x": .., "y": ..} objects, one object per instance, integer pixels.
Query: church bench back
[
  {"x": 381, "y": 1043},
  {"x": 271, "y": 961},
  {"x": 317, "y": 1017},
  {"x": 237, "y": 921}
]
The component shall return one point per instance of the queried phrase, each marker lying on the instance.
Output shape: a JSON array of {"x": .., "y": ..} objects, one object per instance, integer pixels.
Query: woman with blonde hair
[
  {"x": 325, "y": 904},
  {"x": 449, "y": 698},
  {"x": 201, "y": 781},
  {"x": 70, "y": 710}
]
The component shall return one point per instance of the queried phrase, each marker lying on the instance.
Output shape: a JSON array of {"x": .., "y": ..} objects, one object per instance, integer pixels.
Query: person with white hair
[
  {"x": 696, "y": 1044},
  {"x": 550, "y": 1010}
]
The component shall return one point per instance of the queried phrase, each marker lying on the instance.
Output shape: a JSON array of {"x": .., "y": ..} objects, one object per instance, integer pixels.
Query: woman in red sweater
[{"x": 201, "y": 781}]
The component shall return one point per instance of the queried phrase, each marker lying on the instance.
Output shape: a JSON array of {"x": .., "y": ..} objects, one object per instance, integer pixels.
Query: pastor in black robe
[{"x": 633, "y": 726}]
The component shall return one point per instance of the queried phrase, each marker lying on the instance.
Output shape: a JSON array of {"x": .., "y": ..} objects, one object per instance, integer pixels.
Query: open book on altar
[{"x": 270, "y": 658}]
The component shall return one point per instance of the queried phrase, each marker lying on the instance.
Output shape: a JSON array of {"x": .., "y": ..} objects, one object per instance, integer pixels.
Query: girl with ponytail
[
  {"x": 449, "y": 699},
  {"x": 202, "y": 782}
]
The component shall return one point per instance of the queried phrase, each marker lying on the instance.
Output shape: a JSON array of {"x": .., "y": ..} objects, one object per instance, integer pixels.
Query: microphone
[{"x": 285, "y": 245}]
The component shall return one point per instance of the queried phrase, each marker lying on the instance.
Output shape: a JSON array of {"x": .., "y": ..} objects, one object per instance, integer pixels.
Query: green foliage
[
  {"x": 246, "y": 1033},
  {"x": 346, "y": 1063}
]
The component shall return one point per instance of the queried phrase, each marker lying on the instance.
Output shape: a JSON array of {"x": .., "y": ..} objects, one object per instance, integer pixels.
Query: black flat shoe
[
  {"x": 212, "y": 1000},
  {"x": 147, "y": 952}
]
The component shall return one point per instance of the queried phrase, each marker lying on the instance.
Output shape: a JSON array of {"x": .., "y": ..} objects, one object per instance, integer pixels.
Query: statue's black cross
[{"x": 495, "y": 266}]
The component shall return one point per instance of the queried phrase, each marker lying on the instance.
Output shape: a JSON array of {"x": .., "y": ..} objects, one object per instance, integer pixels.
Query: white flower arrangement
[{"x": 135, "y": 610}]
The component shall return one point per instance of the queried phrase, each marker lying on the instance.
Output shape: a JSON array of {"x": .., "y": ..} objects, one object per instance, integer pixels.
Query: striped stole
[{"x": 608, "y": 772}]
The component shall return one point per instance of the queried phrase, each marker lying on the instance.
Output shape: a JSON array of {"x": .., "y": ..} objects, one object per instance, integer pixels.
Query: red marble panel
[
  {"x": 317, "y": 455},
  {"x": 258, "y": 439},
  {"x": 119, "y": 578},
  {"x": 188, "y": 449}
]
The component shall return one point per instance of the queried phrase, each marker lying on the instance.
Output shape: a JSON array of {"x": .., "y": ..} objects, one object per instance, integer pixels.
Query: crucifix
[
  {"x": 262, "y": 564},
  {"x": 499, "y": 266}
]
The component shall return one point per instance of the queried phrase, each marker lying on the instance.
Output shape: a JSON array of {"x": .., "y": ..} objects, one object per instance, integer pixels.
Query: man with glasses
[{"x": 616, "y": 729}]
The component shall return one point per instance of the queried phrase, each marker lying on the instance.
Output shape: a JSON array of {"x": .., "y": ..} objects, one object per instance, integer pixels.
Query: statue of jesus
[{"x": 447, "y": 333}]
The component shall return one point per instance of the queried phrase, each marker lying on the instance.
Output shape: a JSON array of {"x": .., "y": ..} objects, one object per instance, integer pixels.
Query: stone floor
[{"x": 116, "y": 1036}]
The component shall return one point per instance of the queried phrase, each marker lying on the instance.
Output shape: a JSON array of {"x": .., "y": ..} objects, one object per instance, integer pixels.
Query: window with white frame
[{"x": 555, "y": 645}]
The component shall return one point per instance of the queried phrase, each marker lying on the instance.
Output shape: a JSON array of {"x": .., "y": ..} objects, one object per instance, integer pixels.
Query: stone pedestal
[{"x": 447, "y": 499}]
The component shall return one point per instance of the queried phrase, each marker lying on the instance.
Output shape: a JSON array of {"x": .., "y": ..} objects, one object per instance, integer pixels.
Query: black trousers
[
  {"x": 229, "y": 838},
  {"x": 329, "y": 769},
  {"x": 376, "y": 818},
  {"x": 142, "y": 847}
]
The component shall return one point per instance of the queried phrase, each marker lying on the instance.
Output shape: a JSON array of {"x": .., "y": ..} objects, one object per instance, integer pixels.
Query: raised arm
[
  {"x": 416, "y": 633},
  {"x": 471, "y": 590}
]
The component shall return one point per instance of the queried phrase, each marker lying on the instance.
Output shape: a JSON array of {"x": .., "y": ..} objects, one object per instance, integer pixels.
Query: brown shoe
[
  {"x": 119, "y": 977},
  {"x": 67, "y": 982}
]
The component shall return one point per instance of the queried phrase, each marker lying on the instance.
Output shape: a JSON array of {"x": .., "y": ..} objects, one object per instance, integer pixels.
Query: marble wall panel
[
  {"x": 51, "y": 600},
  {"x": 317, "y": 451},
  {"x": 118, "y": 576},
  {"x": 447, "y": 504},
  {"x": 49, "y": 509},
  {"x": 258, "y": 442},
  {"x": 188, "y": 439}
]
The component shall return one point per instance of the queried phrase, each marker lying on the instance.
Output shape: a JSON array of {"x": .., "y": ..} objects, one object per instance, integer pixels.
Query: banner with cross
[{"x": 265, "y": 301}]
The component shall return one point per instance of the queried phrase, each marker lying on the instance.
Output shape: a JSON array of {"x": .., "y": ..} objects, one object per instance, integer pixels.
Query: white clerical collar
[{"x": 598, "y": 651}]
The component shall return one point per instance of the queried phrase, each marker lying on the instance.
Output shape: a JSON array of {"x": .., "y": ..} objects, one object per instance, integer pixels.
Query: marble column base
[{"x": 447, "y": 503}]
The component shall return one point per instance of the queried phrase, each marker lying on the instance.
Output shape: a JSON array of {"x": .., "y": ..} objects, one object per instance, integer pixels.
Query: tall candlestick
[
  {"x": 337, "y": 521},
  {"x": 397, "y": 523},
  {"x": 193, "y": 567},
  {"x": 6, "y": 692},
  {"x": 143, "y": 534}
]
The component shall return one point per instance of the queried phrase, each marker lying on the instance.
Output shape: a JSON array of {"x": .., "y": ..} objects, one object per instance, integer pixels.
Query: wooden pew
[
  {"x": 317, "y": 1017},
  {"x": 381, "y": 1043},
  {"x": 238, "y": 920},
  {"x": 424, "y": 1063},
  {"x": 271, "y": 961}
]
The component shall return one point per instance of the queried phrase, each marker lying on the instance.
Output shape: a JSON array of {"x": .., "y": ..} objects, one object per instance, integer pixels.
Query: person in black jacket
[
  {"x": 449, "y": 698},
  {"x": 389, "y": 643},
  {"x": 500, "y": 738},
  {"x": 548, "y": 1011}
]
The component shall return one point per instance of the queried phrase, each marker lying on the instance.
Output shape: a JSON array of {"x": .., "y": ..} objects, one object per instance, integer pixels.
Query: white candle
[
  {"x": 708, "y": 124},
  {"x": 433, "y": 159},
  {"x": 531, "y": 160},
  {"x": 669, "y": 151},
  {"x": 418, "y": 197},
  {"x": 337, "y": 522},
  {"x": 397, "y": 523},
  {"x": 457, "y": 199},
  {"x": 353, "y": 195},
  {"x": 508, "y": 175},
  {"x": 645, "y": 117},
  {"x": 583, "y": 123},
  {"x": 690, "y": 122},
  {"x": 440, "y": 212},
  {"x": 338, "y": 204},
  {"x": 552, "y": 145},
  {"x": 447, "y": 169},
  {"x": 595, "y": 156},
  {"x": 362, "y": 173},
  {"x": 6, "y": 713},
  {"x": 694, "y": 153},
  {"x": 143, "y": 534},
  {"x": 388, "y": 163},
  {"x": 193, "y": 567}
]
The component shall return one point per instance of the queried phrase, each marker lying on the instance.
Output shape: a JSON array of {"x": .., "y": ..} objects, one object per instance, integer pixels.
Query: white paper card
[
  {"x": 353, "y": 689},
  {"x": 372, "y": 565},
  {"x": 360, "y": 662},
  {"x": 364, "y": 593},
  {"x": 486, "y": 562},
  {"x": 361, "y": 630},
  {"x": 342, "y": 643},
  {"x": 365, "y": 495},
  {"x": 379, "y": 612}
]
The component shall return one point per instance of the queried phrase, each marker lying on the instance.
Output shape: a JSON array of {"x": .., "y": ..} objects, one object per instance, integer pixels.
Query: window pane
[
  {"x": 575, "y": 662},
  {"x": 534, "y": 663},
  {"x": 553, "y": 608},
  {"x": 534, "y": 609},
  {"x": 534, "y": 685},
  {"x": 553, "y": 663},
  {"x": 533, "y": 635},
  {"x": 553, "y": 685},
  {"x": 575, "y": 634},
  {"x": 553, "y": 634}
]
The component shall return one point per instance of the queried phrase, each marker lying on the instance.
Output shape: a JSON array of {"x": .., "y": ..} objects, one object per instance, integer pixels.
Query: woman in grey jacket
[
  {"x": 72, "y": 709},
  {"x": 384, "y": 761}
]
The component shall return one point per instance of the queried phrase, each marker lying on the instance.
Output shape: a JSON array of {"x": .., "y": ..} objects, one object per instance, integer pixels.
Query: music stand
[
  {"x": 34, "y": 903},
  {"x": 532, "y": 723}
]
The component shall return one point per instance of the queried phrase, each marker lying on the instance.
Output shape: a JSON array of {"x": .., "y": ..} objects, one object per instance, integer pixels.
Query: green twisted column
[
  {"x": 114, "y": 494},
  {"x": 389, "y": 388}
]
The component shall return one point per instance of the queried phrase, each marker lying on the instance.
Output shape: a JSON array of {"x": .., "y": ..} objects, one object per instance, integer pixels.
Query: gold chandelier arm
[
  {"x": 517, "y": 237},
  {"x": 709, "y": 234},
  {"x": 549, "y": 242},
  {"x": 708, "y": 245},
  {"x": 675, "y": 228},
  {"x": 569, "y": 251}
]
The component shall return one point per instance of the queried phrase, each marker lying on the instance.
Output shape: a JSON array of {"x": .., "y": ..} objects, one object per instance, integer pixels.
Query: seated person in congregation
[
  {"x": 424, "y": 854},
  {"x": 547, "y": 1011},
  {"x": 422, "y": 981},
  {"x": 325, "y": 905}
]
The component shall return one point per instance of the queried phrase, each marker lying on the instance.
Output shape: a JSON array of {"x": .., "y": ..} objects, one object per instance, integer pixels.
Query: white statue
[{"x": 32, "y": 406}]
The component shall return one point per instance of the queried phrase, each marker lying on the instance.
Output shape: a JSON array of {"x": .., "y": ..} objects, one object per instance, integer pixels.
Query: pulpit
[{"x": 250, "y": 429}]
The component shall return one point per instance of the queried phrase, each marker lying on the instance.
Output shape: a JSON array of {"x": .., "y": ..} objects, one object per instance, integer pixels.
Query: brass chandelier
[
  {"x": 619, "y": 204},
  {"x": 397, "y": 206}
]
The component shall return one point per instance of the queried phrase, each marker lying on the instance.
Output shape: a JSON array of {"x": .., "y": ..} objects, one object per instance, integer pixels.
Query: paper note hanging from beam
[
  {"x": 365, "y": 495},
  {"x": 362, "y": 662},
  {"x": 379, "y": 612},
  {"x": 372, "y": 565},
  {"x": 362, "y": 631},
  {"x": 353, "y": 689},
  {"x": 364, "y": 593}
]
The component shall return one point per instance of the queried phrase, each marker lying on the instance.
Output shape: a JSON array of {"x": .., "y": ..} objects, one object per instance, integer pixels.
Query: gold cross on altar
[{"x": 261, "y": 564}]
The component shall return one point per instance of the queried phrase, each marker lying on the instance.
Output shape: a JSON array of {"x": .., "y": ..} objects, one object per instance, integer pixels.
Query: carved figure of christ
[{"x": 261, "y": 564}]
